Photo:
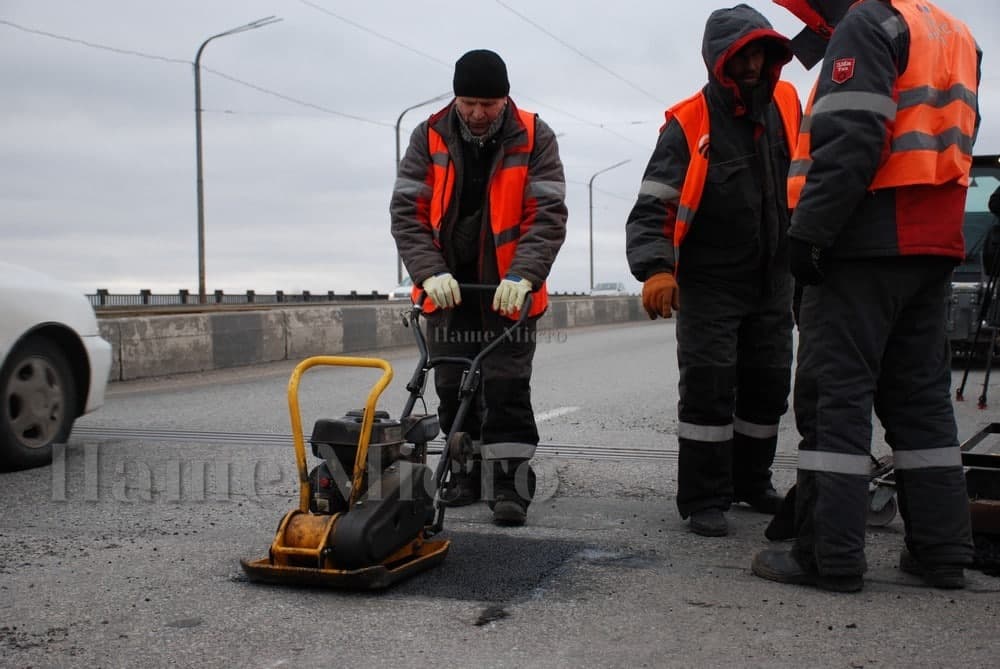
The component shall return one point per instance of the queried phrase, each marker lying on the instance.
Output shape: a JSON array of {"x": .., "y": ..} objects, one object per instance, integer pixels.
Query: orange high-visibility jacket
[
  {"x": 931, "y": 137},
  {"x": 510, "y": 211},
  {"x": 693, "y": 117}
]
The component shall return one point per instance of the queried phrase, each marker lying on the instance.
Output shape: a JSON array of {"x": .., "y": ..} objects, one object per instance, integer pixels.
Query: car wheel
[{"x": 39, "y": 400}]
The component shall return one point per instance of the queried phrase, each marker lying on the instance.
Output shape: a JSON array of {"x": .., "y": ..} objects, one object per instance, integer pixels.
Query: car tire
[{"x": 39, "y": 404}]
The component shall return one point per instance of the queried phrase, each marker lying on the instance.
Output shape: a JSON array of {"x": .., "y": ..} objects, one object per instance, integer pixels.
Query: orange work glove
[{"x": 659, "y": 294}]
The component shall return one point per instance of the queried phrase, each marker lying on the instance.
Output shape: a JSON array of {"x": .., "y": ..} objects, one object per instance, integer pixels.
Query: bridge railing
[{"x": 103, "y": 299}]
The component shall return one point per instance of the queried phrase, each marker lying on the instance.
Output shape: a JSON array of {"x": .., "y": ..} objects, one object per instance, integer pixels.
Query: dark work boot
[
  {"x": 782, "y": 566},
  {"x": 512, "y": 487},
  {"x": 768, "y": 501},
  {"x": 510, "y": 511},
  {"x": 944, "y": 576},
  {"x": 709, "y": 522},
  {"x": 464, "y": 487}
]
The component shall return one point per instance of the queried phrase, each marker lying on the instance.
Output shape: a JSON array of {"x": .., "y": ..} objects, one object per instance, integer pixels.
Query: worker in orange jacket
[
  {"x": 709, "y": 223},
  {"x": 878, "y": 186},
  {"x": 480, "y": 199}
]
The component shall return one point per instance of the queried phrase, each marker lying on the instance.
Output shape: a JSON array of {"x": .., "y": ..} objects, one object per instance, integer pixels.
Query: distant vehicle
[
  {"x": 55, "y": 364},
  {"x": 609, "y": 288},
  {"x": 402, "y": 291},
  {"x": 970, "y": 281}
]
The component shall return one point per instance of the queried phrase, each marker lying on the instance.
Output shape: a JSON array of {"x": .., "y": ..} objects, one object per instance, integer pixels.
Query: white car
[
  {"x": 611, "y": 288},
  {"x": 55, "y": 364},
  {"x": 402, "y": 291}
]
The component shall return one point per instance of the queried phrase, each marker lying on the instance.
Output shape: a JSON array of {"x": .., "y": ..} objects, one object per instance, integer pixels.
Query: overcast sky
[{"x": 97, "y": 147}]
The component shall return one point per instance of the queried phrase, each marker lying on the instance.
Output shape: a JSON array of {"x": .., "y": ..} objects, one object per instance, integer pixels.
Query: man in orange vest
[
  {"x": 710, "y": 219},
  {"x": 480, "y": 199},
  {"x": 878, "y": 185}
]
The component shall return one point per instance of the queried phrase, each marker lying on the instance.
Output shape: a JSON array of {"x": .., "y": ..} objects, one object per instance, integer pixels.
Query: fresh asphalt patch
[{"x": 493, "y": 568}]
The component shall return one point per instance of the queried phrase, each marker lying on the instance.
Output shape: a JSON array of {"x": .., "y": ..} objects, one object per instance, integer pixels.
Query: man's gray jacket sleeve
[
  {"x": 649, "y": 230},
  {"x": 409, "y": 211},
  {"x": 849, "y": 122}
]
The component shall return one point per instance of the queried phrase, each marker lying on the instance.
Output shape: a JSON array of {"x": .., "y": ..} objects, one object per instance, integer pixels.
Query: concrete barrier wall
[{"x": 148, "y": 346}]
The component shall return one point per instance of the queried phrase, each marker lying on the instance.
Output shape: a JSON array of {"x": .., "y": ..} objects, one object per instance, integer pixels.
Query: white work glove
[
  {"x": 510, "y": 294},
  {"x": 443, "y": 290}
]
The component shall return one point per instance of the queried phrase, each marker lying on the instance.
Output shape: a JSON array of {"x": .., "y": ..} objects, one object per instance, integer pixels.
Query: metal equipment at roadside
[
  {"x": 988, "y": 320},
  {"x": 982, "y": 478},
  {"x": 369, "y": 512}
]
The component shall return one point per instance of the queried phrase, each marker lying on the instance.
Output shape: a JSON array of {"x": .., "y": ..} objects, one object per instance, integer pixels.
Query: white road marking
[{"x": 554, "y": 413}]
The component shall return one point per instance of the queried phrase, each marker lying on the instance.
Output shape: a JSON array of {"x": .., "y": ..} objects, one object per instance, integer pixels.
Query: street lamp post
[
  {"x": 399, "y": 260},
  {"x": 590, "y": 190},
  {"x": 259, "y": 23}
]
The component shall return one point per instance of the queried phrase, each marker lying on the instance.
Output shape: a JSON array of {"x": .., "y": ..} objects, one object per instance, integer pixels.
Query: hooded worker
[
  {"x": 710, "y": 224},
  {"x": 878, "y": 185}
]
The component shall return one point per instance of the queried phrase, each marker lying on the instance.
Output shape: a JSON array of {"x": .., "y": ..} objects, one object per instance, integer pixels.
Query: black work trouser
[
  {"x": 872, "y": 335},
  {"x": 501, "y": 410},
  {"x": 734, "y": 352}
]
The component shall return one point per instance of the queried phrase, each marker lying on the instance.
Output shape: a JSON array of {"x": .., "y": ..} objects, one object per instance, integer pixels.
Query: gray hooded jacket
[{"x": 738, "y": 234}]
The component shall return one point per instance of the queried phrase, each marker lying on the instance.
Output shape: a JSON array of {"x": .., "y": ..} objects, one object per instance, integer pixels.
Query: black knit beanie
[{"x": 481, "y": 74}]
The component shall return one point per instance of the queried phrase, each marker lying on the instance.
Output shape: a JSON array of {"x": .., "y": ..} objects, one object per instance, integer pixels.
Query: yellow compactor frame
[{"x": 302, "y": 552}]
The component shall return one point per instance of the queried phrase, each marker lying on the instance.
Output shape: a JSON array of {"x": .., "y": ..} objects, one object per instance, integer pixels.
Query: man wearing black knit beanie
[{"x": 480, "y": 199}]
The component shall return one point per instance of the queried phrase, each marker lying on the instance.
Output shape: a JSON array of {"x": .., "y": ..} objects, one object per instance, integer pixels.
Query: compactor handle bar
[{"x": 416, "y": 384}]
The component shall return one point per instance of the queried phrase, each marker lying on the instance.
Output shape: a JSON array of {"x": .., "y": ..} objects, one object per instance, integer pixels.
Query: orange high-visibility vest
[
  {"x": 511, "y": 211},
  {"x": 932, "y": 134},
  {"x": 693, "y": 116},
  {"x": 801, "y": 158}
]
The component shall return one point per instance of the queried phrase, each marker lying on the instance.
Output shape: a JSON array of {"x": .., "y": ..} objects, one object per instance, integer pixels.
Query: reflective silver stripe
[
  {"x": 440, "y": 159},
  {"x": 555, "y": 190},
  {"x": 806, "y": 125},
  {"x": 921, "y": 141},
  {"x": 660, "y": 191},
  {"x": 799, "y": 168},
  {"x": 837, "y": 463},
  {"x": 712, "y": 433},
  {"x": 511, "y": 234},
  {"x": 508, "y": 450},
  {"x": 412, "y": 187},
  {"x": 856, "y": 101},
  {"x": 754, "y": 430},
  {"x": 685, "y": 214},
  {"x": 935, "y": 97},
  {"x": 926, "y": 458},
  {"x": 893, "y": 26},
  {"x": 516, "y": 159}
]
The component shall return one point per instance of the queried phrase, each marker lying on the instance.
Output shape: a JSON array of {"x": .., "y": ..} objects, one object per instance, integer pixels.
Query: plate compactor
[{"x": 368, "y": 512}]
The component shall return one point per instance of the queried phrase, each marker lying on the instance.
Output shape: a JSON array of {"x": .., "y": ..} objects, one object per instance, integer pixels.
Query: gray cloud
[{"x": 97, "y": 167}]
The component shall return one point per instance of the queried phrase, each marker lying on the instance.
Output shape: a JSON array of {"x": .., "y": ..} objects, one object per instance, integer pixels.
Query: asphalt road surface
[{"x": 125, "y": 552}]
